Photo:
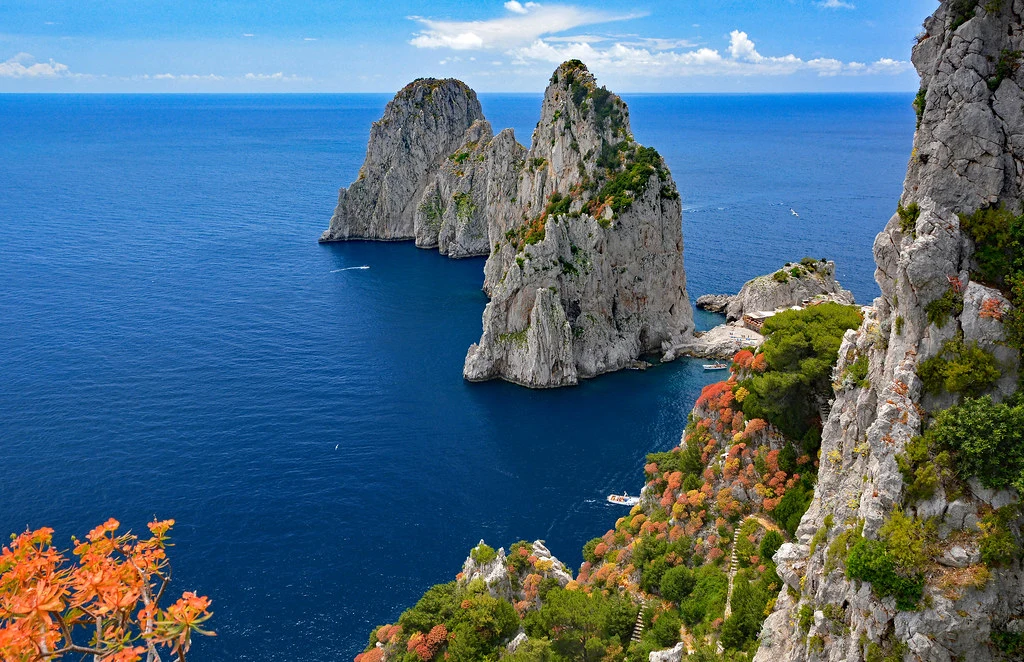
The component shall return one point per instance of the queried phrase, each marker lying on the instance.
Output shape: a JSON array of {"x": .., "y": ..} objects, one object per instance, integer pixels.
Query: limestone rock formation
[
  {"x": 790, "y": 286},
  {"x": 588, "y": 274},
  {"x": 431, "y": 164},
  {"x": 967, "y": 155},
  {"x": 500, "y": 576},
  {"x": 583, "y": 232},
  {"x": 714, "y": 303}
]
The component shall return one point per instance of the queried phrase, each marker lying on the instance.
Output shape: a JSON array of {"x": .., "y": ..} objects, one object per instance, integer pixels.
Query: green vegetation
[
  {"x": 770, "y": 544},
  {"x": 919, "y": 104},
  {"x": 987, "y": 438},
  {"x": 922, "y": 474},
  {"x": 801, "y": 349},
  {"x": 858, "y": 371},
  {"x": 780, "y": 276},
  {"x": 580, "y": 626},
  {"x": 998, "y": 544},
  {"x": 794, "y": 504},
  {"x": 1009, "y": 62},
  {"x": 464, "y": 207},
  {"x": 631, "y": 182},
  {"x": 951, "y": 303},
  {"x": 558, "y": 204},
  {"x": 477, "y": 622},
  {"x": 894, "y": 564},
  {"x": 677, "y": 583},
  {"x": 908, "y": 218},
  {"x": 750, "y": 599},
  {"x": 998, "y": 236},
  {"x": 1010, "y": 644},
  {"x": 961, "y": 368},
  {"x": 961, "y": 11},
  {"x": 707, "y": 600},
  {"x": 805, "y": 617},
  {"x": 483, "y": 554}
]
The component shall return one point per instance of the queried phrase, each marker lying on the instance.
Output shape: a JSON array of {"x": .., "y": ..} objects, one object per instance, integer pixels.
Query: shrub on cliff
[
  {"x": 987, "y": 438},
  {"x": 707, "y": 600},
  {"x": 800, "y": 349},
  {"x": 962, "y": 368},
  {"x": 582, "y": 626},
  {"x": 677, "y": 583}
]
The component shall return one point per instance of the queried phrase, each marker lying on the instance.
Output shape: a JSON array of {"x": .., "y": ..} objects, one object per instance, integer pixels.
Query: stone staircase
[
  {"x": 734, "y": 565},
  {"x": 638, "y": 629}
]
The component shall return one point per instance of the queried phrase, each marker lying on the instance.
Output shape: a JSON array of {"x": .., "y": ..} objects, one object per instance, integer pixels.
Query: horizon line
[{"x": 392, "y": 93}]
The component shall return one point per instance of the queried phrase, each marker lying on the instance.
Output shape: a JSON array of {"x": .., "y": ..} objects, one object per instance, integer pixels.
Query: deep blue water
[{"x": 174, "y": 342}]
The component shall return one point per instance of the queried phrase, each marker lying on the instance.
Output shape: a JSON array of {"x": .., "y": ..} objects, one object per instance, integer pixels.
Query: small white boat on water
[
  {"x": 716, "y": 366},
  {"x": 623, "y": 499}
]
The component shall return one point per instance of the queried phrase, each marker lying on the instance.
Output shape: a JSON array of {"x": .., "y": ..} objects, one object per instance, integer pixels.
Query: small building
[{"x": 755, "y": 321}]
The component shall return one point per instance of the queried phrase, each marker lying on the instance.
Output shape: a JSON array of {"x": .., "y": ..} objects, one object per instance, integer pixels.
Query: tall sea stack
[
  {"x": 583, "y": 232},
  {"x": 589, "y": 274}
]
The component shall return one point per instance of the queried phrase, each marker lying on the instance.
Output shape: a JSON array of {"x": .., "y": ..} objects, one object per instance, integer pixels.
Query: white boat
[
  {"x": 623, "y": 499},
  {"x": 717, "y": 366}
]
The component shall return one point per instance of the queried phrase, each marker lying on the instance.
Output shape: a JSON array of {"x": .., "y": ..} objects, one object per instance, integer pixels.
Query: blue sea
[{"x": 175, "y": 343}]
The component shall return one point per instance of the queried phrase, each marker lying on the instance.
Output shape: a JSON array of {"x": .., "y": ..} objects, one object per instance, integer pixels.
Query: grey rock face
[
  {"x": 583, "y": 279},
  {"x": 801, "y": 283},
  {"x": 674, "y": 654},
  {"x": 967, "y": 154},
  {"x": 715, "y": 303},
  {"x": 421, "y": 128}
]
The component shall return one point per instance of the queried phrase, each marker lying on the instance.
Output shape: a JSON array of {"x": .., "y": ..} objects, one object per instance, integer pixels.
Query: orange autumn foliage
[{"x": 105, "y": 605}]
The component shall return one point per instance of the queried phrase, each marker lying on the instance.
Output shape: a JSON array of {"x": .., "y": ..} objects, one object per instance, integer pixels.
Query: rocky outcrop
[
  {"x": 714, "y": 303},
  {"x": 792, "y": 285},
  {"x": 583, "y": 232},
  {"x": 967, "y": 155},
  {"x": 502, "y": 578},
  {"x": 432, "y": 164},
  {"x": 588, "y": 274},
  {"x": 721, "y": 342}
]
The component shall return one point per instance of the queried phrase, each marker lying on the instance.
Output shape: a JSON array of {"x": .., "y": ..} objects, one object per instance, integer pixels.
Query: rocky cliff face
[
  {"x": 588, "y": 274},
  {"x": 427, "y": 172},
  {"x": 967, "y": 155},
  {"x": 584, "y": 231},
  {"x": 790, "y": 286}
]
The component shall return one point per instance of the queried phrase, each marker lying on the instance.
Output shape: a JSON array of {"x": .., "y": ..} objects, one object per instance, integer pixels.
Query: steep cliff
[
  {"x": 421, "y": 178},
  {"x": 589, "y": 272},
  {"x": 906, "y": 563},
  {"x": 791, "y": 285},
  {"x": 583, "y": 232}
]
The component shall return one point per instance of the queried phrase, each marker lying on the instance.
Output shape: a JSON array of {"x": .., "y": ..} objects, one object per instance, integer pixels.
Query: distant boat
[
  {"x": 793, "y": 212},
  {"x": 623, "y": 499},
  {"x": 717, "y": 366}
]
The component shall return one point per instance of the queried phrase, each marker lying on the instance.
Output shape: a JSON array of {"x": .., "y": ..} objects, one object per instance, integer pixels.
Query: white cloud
[
  {"x": 280, "y": 76},
  {"x": 530, "y": 21},
  {"x": 196, "y": 77},
  {"x": 248, "y": 34},
  {"x": 740, "y": 59},
  {"x": 520, "y": 8},
  {"x": 309, "y": 39},
  {"x": 835, "y": 4},
  {"x": 24, "y": 65},
  {"x": 741, "y": 48}
]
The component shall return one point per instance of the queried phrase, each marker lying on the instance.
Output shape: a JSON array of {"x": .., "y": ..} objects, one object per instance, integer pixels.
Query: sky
[{"x": 494, "y": 45}]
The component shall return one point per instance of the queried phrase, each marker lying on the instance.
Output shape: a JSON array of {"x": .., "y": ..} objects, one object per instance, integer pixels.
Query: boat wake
[{"x": 334, "y": 271}]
